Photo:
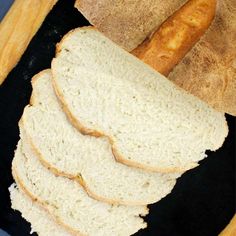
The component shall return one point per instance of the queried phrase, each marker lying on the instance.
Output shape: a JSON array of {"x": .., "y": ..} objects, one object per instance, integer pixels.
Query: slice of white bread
[
  {"x": 151, "y": 123},
  {"x": 60, "y": 147},
  {"x": 69, "y": 204},
  {"x": 41, "y": 222}
]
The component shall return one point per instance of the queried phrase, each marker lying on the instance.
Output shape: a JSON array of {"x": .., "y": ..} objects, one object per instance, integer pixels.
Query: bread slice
[
  {"x": 151, "y": 123},
  {"x": 127, "y": 23},
  {"x": 69, "y": 204},
  {"x": 41, "y": 222},
  {"x": 60, "y": 147}
]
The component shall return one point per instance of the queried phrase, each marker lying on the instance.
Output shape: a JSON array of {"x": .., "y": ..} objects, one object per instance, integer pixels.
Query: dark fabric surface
[{"x": 201, "y": 204}]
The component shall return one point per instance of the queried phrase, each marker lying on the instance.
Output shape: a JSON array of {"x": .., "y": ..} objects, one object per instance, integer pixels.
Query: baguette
[
  {"x": 18, "y": 28},
  {"x": 177, "y": 35},
  {"x": 209, "y": 69}
]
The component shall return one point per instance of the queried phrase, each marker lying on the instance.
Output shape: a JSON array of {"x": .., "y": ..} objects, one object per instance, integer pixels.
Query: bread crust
[
  {"x": 127, "y": 23},
  {"x": 209, "y": 69},
  {"x": 177, "y": 35}
]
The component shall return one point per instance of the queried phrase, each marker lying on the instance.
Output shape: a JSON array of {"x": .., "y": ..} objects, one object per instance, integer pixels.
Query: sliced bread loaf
[
  {"x": 65, "y": 151},
  {"x": 41, "y": 222},
  {"x": 151, "y": 123},
  {"x": 69, "y": 204}
]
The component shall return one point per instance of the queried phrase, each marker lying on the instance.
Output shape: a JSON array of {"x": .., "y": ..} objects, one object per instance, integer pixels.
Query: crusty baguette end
[{"x": 177, "y": 35}]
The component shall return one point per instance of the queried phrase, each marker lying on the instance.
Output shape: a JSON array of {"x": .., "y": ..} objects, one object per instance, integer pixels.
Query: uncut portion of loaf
[
  {"x": 69, "y": 204},
  {"x": 67, "y": 152},
  {"x": 151, "y": 123},
  {"x": 127, "y": 23},
  {"x": 41, "y": 222}
]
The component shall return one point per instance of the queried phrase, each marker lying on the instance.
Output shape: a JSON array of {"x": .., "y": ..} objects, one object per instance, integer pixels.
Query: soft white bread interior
[
  {"x": 151, "y": 123},
  {"x": 63, "y": 149},
  {"x": 41, "y": 222},
  {"x": 68, "y": 203}
]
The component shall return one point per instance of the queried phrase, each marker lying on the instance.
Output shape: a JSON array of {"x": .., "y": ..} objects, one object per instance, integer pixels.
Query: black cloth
[{"x": 201, "y": 204}]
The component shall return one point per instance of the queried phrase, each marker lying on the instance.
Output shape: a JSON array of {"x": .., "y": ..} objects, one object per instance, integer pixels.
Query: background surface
[
  {"x": 4, "y": 6},
  {"x": 201, "y": 204}
]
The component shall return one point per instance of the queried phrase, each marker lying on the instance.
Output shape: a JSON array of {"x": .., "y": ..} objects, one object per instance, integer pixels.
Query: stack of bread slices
[{"x": 104, "y": 136}]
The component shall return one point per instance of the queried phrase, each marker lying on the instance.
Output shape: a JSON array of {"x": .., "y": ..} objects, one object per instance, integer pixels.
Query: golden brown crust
[
  {"x": 230, "y": 229},
  {"x": 209, "y": 69},
  {"x": 177, "y": 35},
  {"x": 42, "y": 204},
  {"x": 21, "y": 22}
]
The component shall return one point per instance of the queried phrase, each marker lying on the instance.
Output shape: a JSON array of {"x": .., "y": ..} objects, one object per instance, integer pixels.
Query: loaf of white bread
[
  {"x": 151, "y": 123},
  {"x": 103, "y": 136},
  {"x": 89, "y": 160},
  {"x": 208, "y": 71}
]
